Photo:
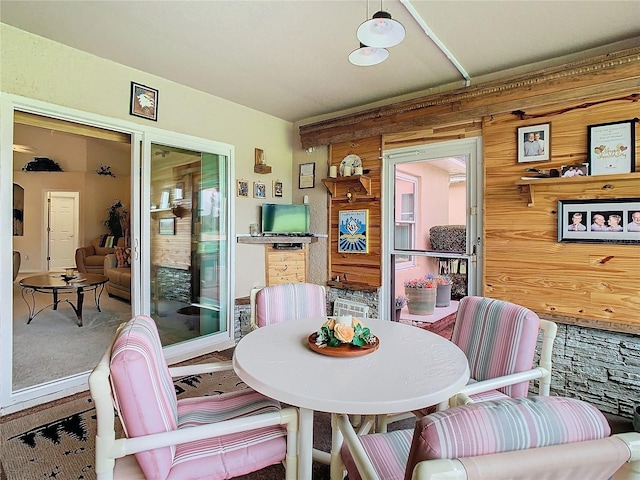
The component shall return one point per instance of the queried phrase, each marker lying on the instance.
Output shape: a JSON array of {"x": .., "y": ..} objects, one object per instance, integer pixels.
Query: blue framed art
[{"x": 353, "y": 235}]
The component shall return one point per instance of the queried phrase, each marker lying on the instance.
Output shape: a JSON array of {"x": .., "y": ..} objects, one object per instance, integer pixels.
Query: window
[{"x": 405, "y": 222}]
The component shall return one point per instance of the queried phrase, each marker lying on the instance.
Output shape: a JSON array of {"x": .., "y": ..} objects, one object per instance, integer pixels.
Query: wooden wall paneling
[
  {"x": 357, "y": 268},
  {"x": 523, "y": 261}
]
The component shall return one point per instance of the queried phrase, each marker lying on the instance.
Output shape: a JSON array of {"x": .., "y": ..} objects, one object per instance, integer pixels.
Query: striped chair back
[
  {"x": 498, "y": 338},
  {"x": 143, "y": 391},
  {"x": 289, "y": 301}
]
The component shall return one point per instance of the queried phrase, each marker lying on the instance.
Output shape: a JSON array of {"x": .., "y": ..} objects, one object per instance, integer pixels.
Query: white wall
[{"x": 37, "y": 68}]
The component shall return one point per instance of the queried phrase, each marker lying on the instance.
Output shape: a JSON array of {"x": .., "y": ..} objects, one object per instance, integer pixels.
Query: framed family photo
[
  {"x": 243, "y": 188},
  {"x": 353, "y": 231},
  {"x": 612, "y": 147},
  {"x": 534, "y": 143},
  {"x": 277, "y": 188},
  {"x": 614, "y": 220},
  {"x": 259, "y": 190}
]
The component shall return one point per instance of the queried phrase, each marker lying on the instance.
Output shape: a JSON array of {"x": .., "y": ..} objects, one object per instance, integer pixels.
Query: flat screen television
[{"x": 283, "y": 219}]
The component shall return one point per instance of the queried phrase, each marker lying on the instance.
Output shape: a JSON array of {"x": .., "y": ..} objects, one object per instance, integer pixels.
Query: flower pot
[
  {"x": 443, "y": 295},
  {"x": 398, "y": 313},
  {"x": 421, "y": 301}
]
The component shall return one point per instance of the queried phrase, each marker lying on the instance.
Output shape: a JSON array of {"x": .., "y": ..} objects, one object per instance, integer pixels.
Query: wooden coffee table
[{"x": 57, "y": 285}]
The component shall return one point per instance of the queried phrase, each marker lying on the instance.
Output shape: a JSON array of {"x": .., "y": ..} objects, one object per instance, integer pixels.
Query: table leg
[
  {"x": 79, "y": 303},
  {"x": 55, "y": 298},
  {"x": 337, "y": 467},
  {"x": 97, "y": 295},
  {"x": 305, "y": 444},
  {"x": 30, "y": 305}
]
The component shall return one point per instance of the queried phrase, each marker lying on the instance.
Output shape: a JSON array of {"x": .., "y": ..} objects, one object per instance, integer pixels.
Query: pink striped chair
[
  {"x": 211, "y": 437},
  {"x": 499, "y": 339},
  {"x": 287, "y": 301},
  {"x": 532, "y": 438}
]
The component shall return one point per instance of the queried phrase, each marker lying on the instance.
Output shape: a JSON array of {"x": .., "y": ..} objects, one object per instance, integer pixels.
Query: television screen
[{"x": 284, "y": 219}]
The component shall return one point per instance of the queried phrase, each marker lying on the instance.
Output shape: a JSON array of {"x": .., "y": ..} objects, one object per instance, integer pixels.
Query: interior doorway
[{"x": 61, "y": 229}]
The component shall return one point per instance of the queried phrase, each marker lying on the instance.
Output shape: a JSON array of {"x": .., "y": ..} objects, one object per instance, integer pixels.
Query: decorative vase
[
  {"x": 443, "y": 295},
  {"x": 398, "y": 313},
  {"x": 421, "y": 301}
]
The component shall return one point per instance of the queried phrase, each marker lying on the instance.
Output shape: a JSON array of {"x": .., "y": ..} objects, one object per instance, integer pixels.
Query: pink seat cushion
[
  {"x": 498, "y": 338},
  {"x": 289, "y": 301},
  {"x": 480, "y": 429},
  {"x": 147, "y": 404}
]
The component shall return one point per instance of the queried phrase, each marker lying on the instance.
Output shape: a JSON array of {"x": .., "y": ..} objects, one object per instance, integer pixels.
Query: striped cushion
[
  {"x": 498, "y": 338},
  {"x": 289, "y": 301},
  {"x": 143, "y": 391},
  {"x": 505, "y": 425},
  {"x": 388, "y": 453},
  {"x": 231, "y": 455}
]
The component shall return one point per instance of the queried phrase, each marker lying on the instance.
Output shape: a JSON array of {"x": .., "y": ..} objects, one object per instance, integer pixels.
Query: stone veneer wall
[{"x": 597, "y": 366}]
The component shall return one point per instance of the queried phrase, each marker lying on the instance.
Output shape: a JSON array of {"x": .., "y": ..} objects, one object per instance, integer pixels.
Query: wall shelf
[
  {"x": 606, "y": 180},
  {"x": 267, "y": 239},
  {"x": 360, "y": 181}
]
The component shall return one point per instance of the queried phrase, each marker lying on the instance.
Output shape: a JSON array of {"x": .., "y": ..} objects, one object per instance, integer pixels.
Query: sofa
[
  {"x": 117, "y": 268},
  {"x": 91, "y": 259}
]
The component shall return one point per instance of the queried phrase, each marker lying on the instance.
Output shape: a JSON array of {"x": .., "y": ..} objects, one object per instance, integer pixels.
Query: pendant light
[
  {"x": 381, "y": 31},
  {"x": 367, "y": 56}
]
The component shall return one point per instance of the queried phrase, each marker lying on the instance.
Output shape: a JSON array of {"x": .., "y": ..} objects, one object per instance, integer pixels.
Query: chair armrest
[
  {"x": 127, "y": 446},
  {"x": 81, "y": 254},
  {"x": 201, "y": 368},
  {"x": 110, "y": 261},
  {"x": 360, "y": 457},
  {"x": 498, "y": 382}
]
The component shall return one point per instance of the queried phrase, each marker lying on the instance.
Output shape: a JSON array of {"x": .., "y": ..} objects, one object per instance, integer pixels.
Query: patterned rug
[{"x": 58, "y": 442}]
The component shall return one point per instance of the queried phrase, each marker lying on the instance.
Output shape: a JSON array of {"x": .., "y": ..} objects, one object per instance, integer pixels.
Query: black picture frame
[
  {"x": 612, "y": 147},
  {"x": 143, "y": 102},
  {"x": 615, "y": 220}
]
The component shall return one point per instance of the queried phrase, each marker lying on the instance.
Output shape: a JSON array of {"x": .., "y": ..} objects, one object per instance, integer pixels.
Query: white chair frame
[
  {"x": 529, "y": 460},
  {"x": 114, "y": 456}
]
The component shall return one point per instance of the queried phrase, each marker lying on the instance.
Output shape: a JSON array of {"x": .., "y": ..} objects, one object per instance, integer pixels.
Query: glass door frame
[
  {"x": 470, "y": 148},
  {"x": 202, "y": 345}
]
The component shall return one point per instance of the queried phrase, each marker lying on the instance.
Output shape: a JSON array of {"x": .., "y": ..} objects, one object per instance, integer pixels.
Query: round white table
[{"x": 411, "y": 369}]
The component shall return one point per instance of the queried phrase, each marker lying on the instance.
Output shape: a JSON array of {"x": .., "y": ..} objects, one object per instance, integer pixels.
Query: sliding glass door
[{"x": 188, "y": 241}]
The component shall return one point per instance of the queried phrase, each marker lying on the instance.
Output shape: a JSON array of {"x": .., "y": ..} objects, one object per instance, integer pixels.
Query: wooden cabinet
[{"x": 286, "y": 265}]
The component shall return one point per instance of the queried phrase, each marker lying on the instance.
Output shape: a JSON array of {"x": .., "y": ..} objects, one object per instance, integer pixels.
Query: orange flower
[
  {"x": 331, "y": 322},
  {"x": 355, "y": 322},
  {"x": 344, "y": 333}
]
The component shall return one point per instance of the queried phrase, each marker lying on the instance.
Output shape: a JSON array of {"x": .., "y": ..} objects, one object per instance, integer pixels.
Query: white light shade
[
  {"x": 381, "y": 31},
  {"x": 367, "y": 56}
]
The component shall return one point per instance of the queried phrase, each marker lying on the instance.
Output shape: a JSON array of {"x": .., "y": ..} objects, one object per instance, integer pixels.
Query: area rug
[{"x": 58, "y": 442}]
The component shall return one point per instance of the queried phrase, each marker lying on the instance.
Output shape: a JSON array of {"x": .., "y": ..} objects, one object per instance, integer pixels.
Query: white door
[{"x": 62, "y": 229}]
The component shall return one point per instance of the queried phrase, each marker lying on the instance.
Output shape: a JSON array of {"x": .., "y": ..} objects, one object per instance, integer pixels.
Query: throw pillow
[{"x": 123, "y": 255}]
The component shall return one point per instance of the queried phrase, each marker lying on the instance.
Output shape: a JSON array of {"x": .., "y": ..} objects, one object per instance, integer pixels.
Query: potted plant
[
  {"x": 443, "y": 293},
  {"x": 400, "y": 302},
  {"x": 421, "y": 294}
]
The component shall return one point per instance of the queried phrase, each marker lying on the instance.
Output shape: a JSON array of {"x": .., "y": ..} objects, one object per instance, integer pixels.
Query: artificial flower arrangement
[
  {"x": 401, "y": 301},
  {"x": 347, "y": 330},
  {"x": 443, "y": 279},
  {"x": 428, "y": 281}
]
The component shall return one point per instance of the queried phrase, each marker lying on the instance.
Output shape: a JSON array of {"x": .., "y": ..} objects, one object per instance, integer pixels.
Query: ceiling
[{"x": 289, "y": 58}]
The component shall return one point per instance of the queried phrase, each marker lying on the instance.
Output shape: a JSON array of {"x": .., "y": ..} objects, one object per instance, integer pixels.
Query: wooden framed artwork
[
  {"x": 353, "y": 234},
  {"x": 307, "y": 175},
  {"x": 612, "y": 147},
  {"x": 167, "y": 226},
  {"x": 277, "y": 188},
  {"x": 534, "y": 143},
  {"x": 144, "y": 102},
  {"x": 243, "y": 188},
  {"x": 259, "y": 190},
  {"x": 599, "y": 220}
]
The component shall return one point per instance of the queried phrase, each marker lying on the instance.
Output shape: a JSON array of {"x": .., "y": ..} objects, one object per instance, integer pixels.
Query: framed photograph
[
  {"x": 353, "y": 235},
  {"x": 178, "y": 193},
  {"x": 612, "y": 147},
  {"x": 164, "y": 198},
  {"x": 577, "y": 170},
  {"x": 615, "y": 220},
  {"x": 277, "y": 188},
  {"x": 144, "y": 102},
  {"x": 534, "y": 143},
  {"x": 167, "y": 226},
  {"x": 259, "y": 190},
  {"x": 307, "y": 175},
  {"x": 243, "y": 188}
]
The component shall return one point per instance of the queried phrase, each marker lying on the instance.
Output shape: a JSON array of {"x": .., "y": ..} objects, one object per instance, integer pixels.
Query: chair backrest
[
  {"x": 347, "y": 307},
  {"x": 287, "y": 301},
  {"x": 498, "y": 338},
  {"x": 507, "y": 425},
  {"x": 143, "y": 390}
]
